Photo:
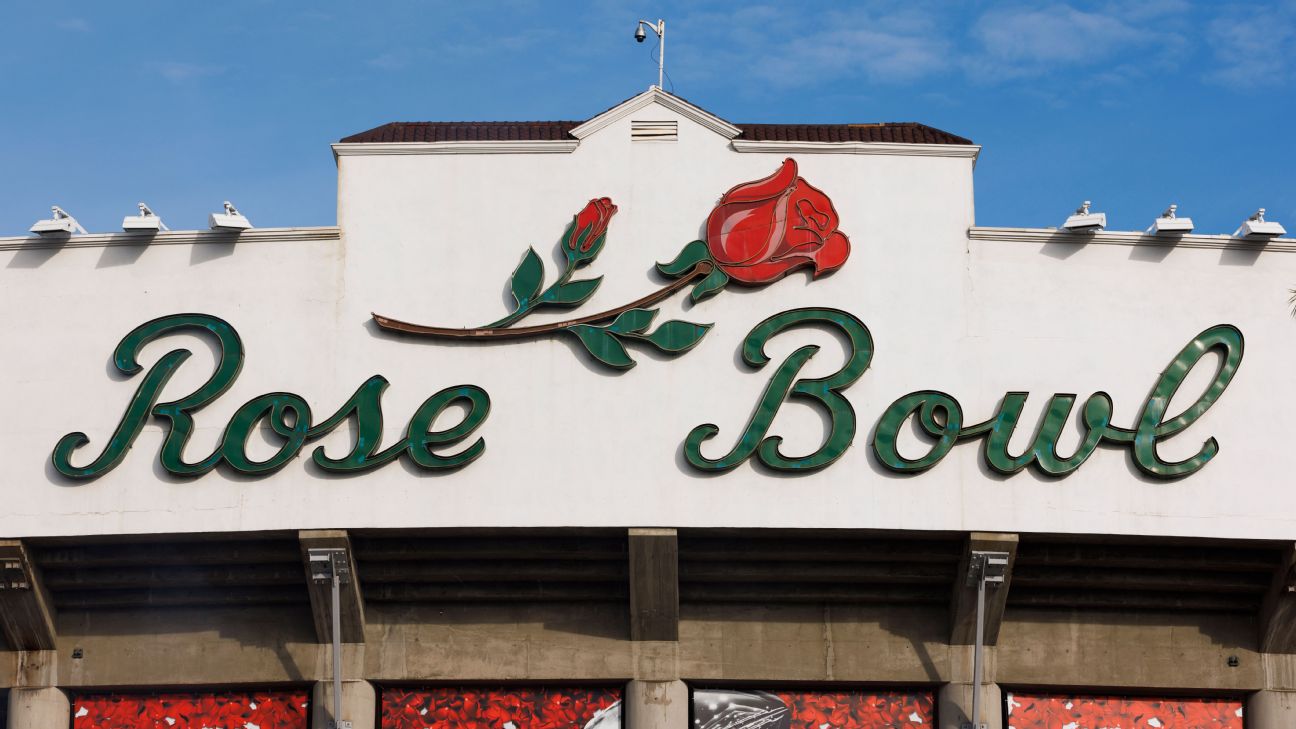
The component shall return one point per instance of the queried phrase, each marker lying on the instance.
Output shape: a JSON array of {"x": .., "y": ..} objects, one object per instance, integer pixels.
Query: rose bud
[
  {"x": 761, "y": 230},
  {"x": 584, "y": 237}
]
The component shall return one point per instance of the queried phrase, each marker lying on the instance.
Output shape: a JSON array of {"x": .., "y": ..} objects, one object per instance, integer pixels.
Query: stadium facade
[{"x": 653, "y": 419}]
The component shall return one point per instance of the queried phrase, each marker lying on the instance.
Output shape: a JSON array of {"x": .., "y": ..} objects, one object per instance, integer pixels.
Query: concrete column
[
  {"x": 1271, "y": 710},
  {"x": 359, "y": 705},
  {"x": 657, "y": 705},
  {"x": 39, "y": 708},
  {"x": 954, "y": 706}
]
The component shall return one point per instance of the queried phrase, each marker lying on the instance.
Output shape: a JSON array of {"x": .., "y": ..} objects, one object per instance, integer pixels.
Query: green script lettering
[
  {"x": 287, "y": 415},
  {"x": 822, "y": 391},
  {"x": 940, "y": 417}
]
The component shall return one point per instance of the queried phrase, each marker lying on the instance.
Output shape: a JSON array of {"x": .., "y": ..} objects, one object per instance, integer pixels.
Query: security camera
[{"x": 640, "y": 34}]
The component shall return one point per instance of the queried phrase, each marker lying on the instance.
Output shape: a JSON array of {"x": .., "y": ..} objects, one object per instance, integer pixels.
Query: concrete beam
[
  {"x": 654, "y": 584},
  {"x": 26, "y": 610},
  {"x": 321, "y": 593},
  {"x": 39, "y": 708},
  {"x": 963, "y": 605},
  {"x": 954, "y": 706},
  {"x": 1278, "y": 611},
  {"x": 1270, "y": 710},
  {"x": 359, "y": 705},
  {"x": 656, "y": 705}
]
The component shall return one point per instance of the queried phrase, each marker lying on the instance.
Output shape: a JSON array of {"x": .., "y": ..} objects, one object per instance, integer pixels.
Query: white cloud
[
  {"x": 787, "y": 46},
  {"x": 1105, "y": 45},
  {"x": 1026, "y": 41},
  {"x": 1252, "y": 48}
]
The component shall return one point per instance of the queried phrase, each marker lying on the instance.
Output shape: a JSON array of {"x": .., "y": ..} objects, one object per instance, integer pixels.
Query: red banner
[
  {"x": 734, "y": 709},
  {"x": 1049, "y": 711},
  {"x": 540, "y": 707},
  {"x": 208, "y": 710}
]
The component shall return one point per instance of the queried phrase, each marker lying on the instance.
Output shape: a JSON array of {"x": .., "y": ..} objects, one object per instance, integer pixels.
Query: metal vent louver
[{"x": 654, "y": 131}]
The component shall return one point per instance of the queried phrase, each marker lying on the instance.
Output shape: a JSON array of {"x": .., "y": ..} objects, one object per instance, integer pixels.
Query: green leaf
[
  {"x": 572, "y": 292},
  {"x": 677, "y": 336},
  {"x": 527, "y": 278},
  {"x": 710, "y": 285},
  {"x": 603, "y": 346},
  {"x": 692, "y": 254},
  {"x": 632, "y": 321}
]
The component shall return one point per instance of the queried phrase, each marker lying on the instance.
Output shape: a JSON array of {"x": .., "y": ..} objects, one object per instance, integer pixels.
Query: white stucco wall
[{"x": 432, "y": 239}]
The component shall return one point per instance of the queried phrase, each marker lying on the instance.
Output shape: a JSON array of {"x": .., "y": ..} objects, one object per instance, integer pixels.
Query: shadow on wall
[
  {"x": 1112, "y": 647},
  {"x": 841, "y": 637},
  {"x": 1155, "y": 248},
  {"x": 284, "y": 634},
  {"x": 524, "y": 620}
]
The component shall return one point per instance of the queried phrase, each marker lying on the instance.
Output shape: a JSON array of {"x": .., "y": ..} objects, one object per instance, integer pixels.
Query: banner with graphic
[
  {"x": 202, "y": 710},
  {"x": 523, "y": 707},
  {"x": 856, "y": 709},
  {"x": 1048, "y": 711}
]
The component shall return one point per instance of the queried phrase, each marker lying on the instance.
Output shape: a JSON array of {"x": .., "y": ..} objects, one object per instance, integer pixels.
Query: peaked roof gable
[
  {"x": 559, "y": 131},
  {"x": 652, "y": 96}
]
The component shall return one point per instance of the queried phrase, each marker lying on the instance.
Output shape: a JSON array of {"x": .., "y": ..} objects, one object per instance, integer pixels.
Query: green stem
[
  {"x": 535, "y": 303},
  {"x": 700, "y": 270}
]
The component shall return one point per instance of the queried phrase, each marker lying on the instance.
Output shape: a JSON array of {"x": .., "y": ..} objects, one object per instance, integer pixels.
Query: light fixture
[
  {"x": 330, "y": 565},
  {"x": 146, "y": 221},
  {"x": 1256, "y": 226},
  {"x": 660, "y": 29},
  {"x": 1170, "y": 223},
  {"x": 1084, "y": 221},
  {"x": 61, "y": 222},
  {"x": 231, "y": 219}
]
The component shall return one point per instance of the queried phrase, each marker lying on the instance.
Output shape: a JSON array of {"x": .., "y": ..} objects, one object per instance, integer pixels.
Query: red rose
[
  {"x": 584, "y": 237},
  {"x": 763, "y": 229}
]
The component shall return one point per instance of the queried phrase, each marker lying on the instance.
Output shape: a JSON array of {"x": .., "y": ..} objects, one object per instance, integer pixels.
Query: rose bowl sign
[{"x": 758, "y": 233}]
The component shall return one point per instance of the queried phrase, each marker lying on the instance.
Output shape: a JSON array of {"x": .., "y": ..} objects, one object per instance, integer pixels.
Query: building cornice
[
  {"x": 518, "y": 146},
  {"x": 969, "y": 151},
  {"x": 172, "y": 237},
  {"x": 669, "y": 101},
  {"x": 1128, "y": 238}
]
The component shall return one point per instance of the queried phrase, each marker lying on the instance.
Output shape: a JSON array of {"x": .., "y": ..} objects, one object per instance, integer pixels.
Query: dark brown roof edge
[
  {"x": 464, "y": 132},
  {"x": 893, "y": 132}
]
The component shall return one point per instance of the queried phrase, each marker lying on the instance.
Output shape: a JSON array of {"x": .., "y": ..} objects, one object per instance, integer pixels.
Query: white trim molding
[
  {"x": 888, "y": 148},
  {"x": 1129, "y": 238},
  {"x": 517, "y": 146},
  {"x": 655, "y": 95},
  {"x": 173, "y": 237}
]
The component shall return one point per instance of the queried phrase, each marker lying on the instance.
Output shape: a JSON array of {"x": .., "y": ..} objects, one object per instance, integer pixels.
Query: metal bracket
[
  {"x": 13, "y": 576},
  {"x": 326, "y": 562},
  {"x": 988, "y": 566}
]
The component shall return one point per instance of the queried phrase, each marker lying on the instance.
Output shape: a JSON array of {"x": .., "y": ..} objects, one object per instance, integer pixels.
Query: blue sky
[{"x": 1132, "y": 105}]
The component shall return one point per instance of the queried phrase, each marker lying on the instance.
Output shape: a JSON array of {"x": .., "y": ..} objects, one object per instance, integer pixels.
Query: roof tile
[{"x": 902, "y": 132}]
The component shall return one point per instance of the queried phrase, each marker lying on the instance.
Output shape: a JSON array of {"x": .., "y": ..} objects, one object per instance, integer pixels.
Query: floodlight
[
  {"x": 1170, "y": 223},
  {"x": 1257, "y": 226},
  {"x": 61, "y": 222},
  {"x": 147, "y": 221},
  {"x": 1084, "y": 221},
  {"x": 231, "y": 219}
]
